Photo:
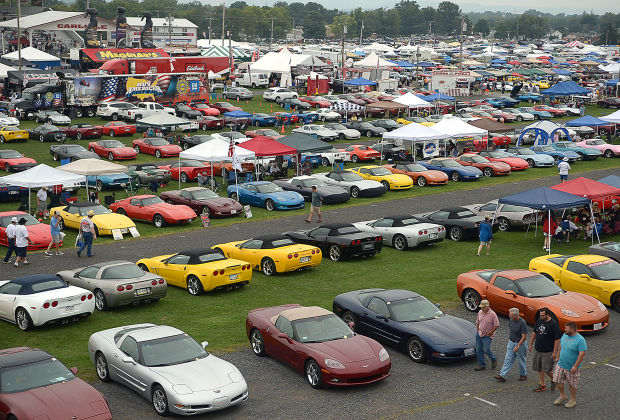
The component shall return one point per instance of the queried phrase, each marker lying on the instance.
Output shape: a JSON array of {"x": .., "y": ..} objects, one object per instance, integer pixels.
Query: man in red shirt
[{"x": 486, "y": 324}]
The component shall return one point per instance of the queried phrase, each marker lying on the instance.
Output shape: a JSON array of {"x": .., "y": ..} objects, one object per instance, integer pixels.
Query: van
[{"x": 253, "y": 79}]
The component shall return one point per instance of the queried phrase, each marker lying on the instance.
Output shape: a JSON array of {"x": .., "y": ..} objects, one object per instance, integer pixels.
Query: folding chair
[{"x": 133, "y": 187}]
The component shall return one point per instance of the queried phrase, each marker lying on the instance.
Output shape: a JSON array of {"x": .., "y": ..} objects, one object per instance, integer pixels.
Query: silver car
[
  {"x": 352, "y": 182},
  {"x": 238, "y": 93},
  {"x": 508, "y": 216},
  {"x": 117, "y": 283},
  {"x": 344, "y": 132},
  {"x": 167, "y": 367},
  {"x": 53, "y": 117},
  {"x": 402, "y": 232}
]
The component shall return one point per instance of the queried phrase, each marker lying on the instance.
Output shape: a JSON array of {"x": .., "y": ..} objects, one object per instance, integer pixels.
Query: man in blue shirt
[
  {"x": 486, "y": 234},
  {"x": 572, "y": 351},
  {"x": 55, "y": 224}
]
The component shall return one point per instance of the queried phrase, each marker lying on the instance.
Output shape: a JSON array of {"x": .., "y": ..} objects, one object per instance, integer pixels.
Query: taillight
[
  {"x": 290, "y": 256},
  {"x": 161, "y": 281},
  {"x": 243, "y": 268},
  {"x": 378, "y": 238},
  {"x": 296, "y": 255},
  {"x": 313, "y": 251},
  {"x": 249, "y": 267},
  {"x": 46, "y": 305},
  {"x": 83, "y": 298},
  {"x": 215, "y": 272},
  {"x": 318, "y": 251},
  {"x": 120, "y": 288},
  {"x": 420, "y": 232},
  {"x": 54, "y": 303},
  {"x": 154, "y": 282},
  {"x": 425, "y": 232},
  {"x": 221, "y": 272},
  {"x": 129, "y": 287},
  {"x": 90, "y": 296}
]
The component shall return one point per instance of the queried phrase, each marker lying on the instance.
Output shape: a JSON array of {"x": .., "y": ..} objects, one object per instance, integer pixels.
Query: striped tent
[{"x": 216, "y": 51}]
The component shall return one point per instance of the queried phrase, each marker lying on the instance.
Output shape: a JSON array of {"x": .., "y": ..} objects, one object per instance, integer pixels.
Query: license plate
[
  {"x": 70, "y": 308},
  {"x": 233, "y": 277},
  {"x": 144, "y": 291},
  {"x": 233, "y": 212},
  {"x": 13, "y": 192},
  {"x": 304, "y": 259},
  {"x": 598, "y": 326},
  {"x": 432, "y": 235},
  {"x": 368, "y": 246},
  {"x": 470, "y": 352}
]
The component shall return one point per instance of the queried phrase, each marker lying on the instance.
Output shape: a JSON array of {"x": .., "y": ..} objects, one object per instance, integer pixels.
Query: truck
[
  {"x": 144, "y": 109},
  {"x": 253, "y": 80}
]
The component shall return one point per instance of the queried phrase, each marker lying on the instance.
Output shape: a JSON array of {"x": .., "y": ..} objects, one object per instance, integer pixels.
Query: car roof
[
  {"x": 301, "y": 312},
  {"x": 194, "y": 254},
  {"x": 83, "y": 204},
  {"x": 154, "y": 332},
  {"x": 396, "y": 294},
  {"x": 111, "y": 263},
  {"x": 33, "y": 279},
  {"x": 515, "y": 274},
  {"x": 18, "y": 356},
  {"x": 336, "y": 225}
]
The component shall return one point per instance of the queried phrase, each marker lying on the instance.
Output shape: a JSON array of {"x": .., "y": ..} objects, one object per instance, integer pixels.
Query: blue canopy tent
[
  {"x": 238, "y": 114},
  {"x": 402, "y": 63},
  {"x": 612, "y": 82},
  {"x": 613, "y": 180},
  {"x": 562, "y": 72},
  {"x": 565, "y": 89},
  {"x": 587, "y": 121},
  {"x": 426, "y": 64},
  {"x": 360, "y": 81},
  {"x": 437, "y": 97},
  {"x": 498, "y": 61}
]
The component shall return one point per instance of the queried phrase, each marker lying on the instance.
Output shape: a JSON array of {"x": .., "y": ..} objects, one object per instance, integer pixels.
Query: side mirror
[
  {"x": 74, "y": 370},
  {"x": 76, "y": 275},
  {"x": 438, "y": 305},
  {"x": 286, "y": 337},
  {"x": 204, "y": 344},
  {"x": 128, "y": 359}
]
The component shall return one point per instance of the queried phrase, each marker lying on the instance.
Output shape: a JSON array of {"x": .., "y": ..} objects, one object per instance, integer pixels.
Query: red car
[
  {"x": 504, "y": 117},
  {"x": 352, "y": 99},
  {"x": 359, "y": 152},
  {"x": 515, "y": 163},
  {"x": 263, "y": 132},
  {"x": 153, "y": 208},
  {"x": 118, "y": 128},
  {"x": 205, "y": 109},
  {"x": 286, "y": 117},
  {"x": 112, "y": 149},
  {"x": 156, "y": 146},
  {"x": 211, "y": 123},
  {"x": 203, "y": 201},
  {"x": 13, "y": 161},
  {"x": 316, "y": 101},
  {"x": 365, "y": 98},
  {"x": 38, "y": 232},
  {"x": 35, "y": 385},
  {"x": 83, "y": 131},
  {"x": 553, "y": 111},
  {"x": 487, "y": 167},
  {"x": 188, "y": 170},
  {"x": 225, "y": 107},
  {"x": 318, "y": 344}
]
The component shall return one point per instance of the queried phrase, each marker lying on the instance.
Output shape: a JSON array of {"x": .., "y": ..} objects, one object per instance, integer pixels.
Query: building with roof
[{"x": 181, "y": 32}]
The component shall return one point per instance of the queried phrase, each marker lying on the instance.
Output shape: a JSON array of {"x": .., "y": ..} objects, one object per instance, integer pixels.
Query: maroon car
[
  {"x": 318, "y": 344},
  {"x": 83, "y": 131},
  {"x": 203, "y": 201},
  {"x": 35, "y": 385},
  {"x": 210, "y": 123},
  {"x": 352, "y": 99},
  {"x": 224, "y": 107}
]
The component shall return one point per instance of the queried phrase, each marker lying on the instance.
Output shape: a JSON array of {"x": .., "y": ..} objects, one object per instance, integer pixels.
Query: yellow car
[
  {"x": 403, "y": 121},
  {"x": 199, "y": 271},
  {"x": 385, "y": 176},
  {"x": 272, "y": 254},
  {"x": 428, "y": 124},
  {"x": 104, "y": 220},
  {"x": 590, "y": 274},
  {"x": 13, "y": 134},
  {"x": 543, "y": 84}
]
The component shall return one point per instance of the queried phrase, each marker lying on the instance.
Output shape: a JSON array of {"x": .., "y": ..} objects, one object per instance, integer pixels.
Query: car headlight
[
  {"x": 235, "y": 376},
  {"x": 333, "y": 364},
  {"x": 570, "y": 313},
  {"x": 182, "y": 389},
  {"x": 601, "y": 306},
  {"x": 280, "y": 198},
  {"x": 383, "y": 355}
]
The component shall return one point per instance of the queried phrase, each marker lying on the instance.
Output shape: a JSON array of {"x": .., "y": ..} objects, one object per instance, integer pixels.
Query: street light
[{"x": 170, "y": 21}]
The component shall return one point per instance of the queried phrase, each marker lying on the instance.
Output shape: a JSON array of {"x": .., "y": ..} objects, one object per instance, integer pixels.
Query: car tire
[
  {"x": 157, "y": 154},
  {"x": 234, "y": 196},
  {"x": 41, "y": 138},
  {"x": 349, "y": 317},
  {"x": 257, "y": 343},
  {"x": 121, "y": 211},
  {"x": 2, "y": 140},
  {"x": 355, "y": 158},
  {"x": 335, "y": 253},
  {"x": 455, "y": 176},
  {"x": 355, "y": 192},
  {"x": 194, "y": 286},
  {"x": 530, "y": 163},
  {"x": 114, "y": 116},
  {"x": 184, "y": 177},
  {"x": 78, "y": 136},
  {"x": 101, "y": 367},
  {"x": 100, "y": 301},
  {"x": 399, "y": 242},
  {"x": 519, "y": 118},
  {"x": 536, "y": 117},
  {"x": 325, "y": 161},
  {"x": 416, "y": 350},
  {"x": 608, "y": 153},
  {"x": 368, "y": 133},
  {"x": 313, "y": 374},
  {"x": 159, "y": 400},
  {"x": 159, "y": 221},
  {"x": 110, "y": 156},
  {"x": 615, "y": 301},
  {"x": 269, "y": 205},
  {"x": 268, "y": 267},
  {"x": 143, "y": 267},
  {"x": 386, "y": 184},
  {"x": 79, "y": 113},
  {"x": 99, "y": 185},
  {"x": 23, "y": 320},
  {"x": 488, "y": 172},
  {"x": 471, "y": 300},
  {"x": 205, "y": 211},
  {"x": 530, "y": 100},
  {"x": 456, "y": 233},
  {"x": 55, "y": 157},
  {"x": 421, "y": 181},
  {"x": 503, "y": 224}
]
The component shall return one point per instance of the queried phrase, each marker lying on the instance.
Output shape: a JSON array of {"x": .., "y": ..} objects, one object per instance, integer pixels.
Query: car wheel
[
  {"x": 519, "y": 118},
  {"x": 355, "y": 192},
  {"x": 99, "y": 185},
  {"x": 184, "y": 177},
  {"x": 455, "y": 176},
  {"x": 503, "y": 223},
  {"x": 79, "y": 113},
  {"x": 350, "y": 318},
  {"x": 368, "y": 134},
  {"x": 488, "y": 172},
  {"x": 253, "y": 85},
  {"x": 277, "y": 99},
  {"x": 23, "y": 320},
  {"x": 194, "y": 286},
  {"x": 257, "y": 342},
  {"x": 335, "y": 253},
  {"x": 386, "y": 184},
  {"x": 530, "y": 163},
  {"x": 110, "y": 156},
  {"x": 157, "y": 154},
  {"x": 55, "y": 157},
  {"x": 399, "y": 242},
  {"x": 456, "y": 233},
  {"x": 608, "y": 153},
  {"x": 234, "y": 196},
  {"x": 536, "y": 116},
  {"x": 143, "y": 267},
  {"x": 41, "y": 138},
  {"x": 2, "y": 139},
  {"x": 269, "y": 204},
  {"x": 205, "y": 211},
  {"x": 355, "y": 158},
  {"x": 121, "y": 211},
  {"x": 615, "y": 301},
  {"x": 159, "y": 221},
  {"x": 160, "y": 401},
  {"x": 137, "y": 149},
  {"x": 100, "y": 301},
  {"x": 530, "y": 100},
  {"x": 79, "y": 136},
  {"x": 268, "y": 267},
  {"x": 114, "y": 116},
  {"x": 416, "y": 350},
  {"x": 313, "y": 374},
  {"x": 185, "y": 146},
  {"x": 7, "y": 167},
  {"x": 421, "y": 181},
  {"x": 471, "y": 300},
  {"x": 325, "y": 161},
  {"x": 101, "y": 366}
]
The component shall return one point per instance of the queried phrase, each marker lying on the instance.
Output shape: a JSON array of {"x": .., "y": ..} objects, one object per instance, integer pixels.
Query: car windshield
[
  {"x": 279, "y": 243},
  {"x": 415, "y": 167},
  {"x": 313, "y": 181},
  {"x": 547, "y": 149},
  {"x": 11, "y": 154},
  {"x": 159, "y": 142},
  {"x": 414, "y": 309},
  {"x": 350, "y": 177},
  {"x": 203, "y": 194},
  {"x": 149, "y": 201},
  {"x": 268, "y": 188},
  {"x": 380, "y": 171},
  {"x": 111, "y": 144},
  {"x": 478, "y": 159},
  {"x": 498, "y": 154},
  {"x": 76, "y": 148},
  {"x": 148, "y": 168},
  {"x": 523, "y": 151},
  {"x": 169, "y": 351},
  {"x": 337, "y": 127},
  {"x": 597, "y": 142},
  {"x": 268, "y": 133},
  {"x": 450, "y": 163},
  {"x": 320, "y": 329},
  {"x": 33, "y": 375},
  {"x": 6, "y": 220},
  {"x": 464, "y": 213},
  {"x": 538, "y": 286},
  {"x": 612, "y": 246},
  {"x": 97, "y": 208},
  {"x": 366, "y": 125},
  {"x": 10, "y": 129},
  {"x": 605, "y": 270},
  {"x": 122, "y": 271}
]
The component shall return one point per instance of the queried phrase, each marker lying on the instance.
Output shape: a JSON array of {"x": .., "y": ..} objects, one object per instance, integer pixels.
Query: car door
[
  {"x": 375, "y": 321},
  {"x": 253, "y": 197},
  {"x": 282, "y": 343},
  {"x": 8, "y": 295},
  {"x": 249, "y": 251},
  {"x": 384, "y": 228},
  {"x": 85, "y": 279},
  {"x": 184, "y": 197},
  {"x": 174, "y": 269},
  {"x": 71, "y": 217},
  {"x": 503, "y": 294},
  {"x": 127, "y": 364},
  {"x": 319, "y": 236},
  {"x": 570, "y": 279}
]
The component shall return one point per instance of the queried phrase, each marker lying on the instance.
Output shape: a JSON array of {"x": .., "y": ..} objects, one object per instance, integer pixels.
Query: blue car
[
  {"x": 107, "y": 182},
  {"x": 586, "y": 153},
  {"x": 306, "y": 117},
  {"x": 315, "y": 160},
  {"x": 529, "y": 97},
  {"x": 538, "y": 115},
  {"x": 266, "y": 194},
  {"x": 407, "y": 321},
  {"x": 535, "y": 160},
  {"x": 263, "y": 120},
  {"x": 454, "y": 170},
  {"x": 9, "y": 193},
  {"x": 557, "y": 155},
  {"x": 502, "y": 102}
]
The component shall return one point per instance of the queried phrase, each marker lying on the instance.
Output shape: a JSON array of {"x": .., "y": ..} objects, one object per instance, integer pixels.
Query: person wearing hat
[
  {"x": 87, "y": 230},
  {"x": 485, "y": 232},
  {"x": 315, "y": 206},
  {"x": 564, "y": 169},
  {"x": 42, "y": 202},
  {"x": 486, "y": 324},
  {"x": 10, "y": 236},
  {"x": 55, "y": 232},
  {"x": 21, "y": 242}
]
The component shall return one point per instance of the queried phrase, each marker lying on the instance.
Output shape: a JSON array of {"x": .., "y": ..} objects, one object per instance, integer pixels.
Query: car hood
[
  {"x": 85, "y": 155},
  {"x": 112, "y": 221},
  {"x": 203, "y": 374},
  {"x": 21, "y": 161},
  {"x": 173, "y": 148},
  {"x": 285, "y": 196},
  {"x": 468, "y": 170},
  {"x": 39, "y": 233},
  {"x": 445, "y": 329},
  {"x": 346, "y": 350},
  {"x": 576, "y": 302},
  {"x": 367, "y": 184},
  {"x": 172, "y": 209},
  {"x": 220, "y": 202},
  {"x": 123, "y": 150},
  {"x": 513, "y": 161}
]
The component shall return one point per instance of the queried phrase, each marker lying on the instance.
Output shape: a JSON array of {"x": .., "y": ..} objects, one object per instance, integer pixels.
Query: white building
[
  {"x": 183, "y": 32},
  {"x": 295, "y": 35}
]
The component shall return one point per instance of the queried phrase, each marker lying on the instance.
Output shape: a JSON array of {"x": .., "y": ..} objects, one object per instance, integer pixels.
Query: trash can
[
  {"x": 338, "y": 165},
  {"x": 64, "y": 161},
  {"x": 287, "y": 106}
]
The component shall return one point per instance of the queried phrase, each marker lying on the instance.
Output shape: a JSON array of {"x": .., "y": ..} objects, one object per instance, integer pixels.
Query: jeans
[
  {"x": 87, "y": 241},
  {"x": 483, "y": 346},
  {"x": 10, "y": 250},
  {"x": 509, "y": 360}
]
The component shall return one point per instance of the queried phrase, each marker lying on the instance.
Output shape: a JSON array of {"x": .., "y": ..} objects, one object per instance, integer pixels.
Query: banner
[
  {"x": 430, "y": 149},
  {"x": 142, "y": 89}
]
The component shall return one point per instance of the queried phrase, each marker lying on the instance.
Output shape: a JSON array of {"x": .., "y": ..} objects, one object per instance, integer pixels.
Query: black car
[
  {"x": 47, "y": 132},
  {"x": 294, "y": 103},
  {"x": 460, "y": 222},
  {"x": 386, "y": 123},
  {"x": 185, "y": 111},
  {"x": 235, "y": 135},
  {"x": 72, "y": 152},
  {"x": 390, "y": 150},
  {"x": 339, "y": 240},
  {"x": 186, "y": 142},
  {"x": 606, "y": 249},
  {"x": 366, "y": 128},
  {"x": 12, "y": 165},
  {"x": 303, "y": 185}
]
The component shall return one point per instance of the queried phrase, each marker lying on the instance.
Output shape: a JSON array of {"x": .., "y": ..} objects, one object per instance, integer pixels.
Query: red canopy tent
[
  {"x": 264, "y": 146},
  {"x": 598, "y": 192}
]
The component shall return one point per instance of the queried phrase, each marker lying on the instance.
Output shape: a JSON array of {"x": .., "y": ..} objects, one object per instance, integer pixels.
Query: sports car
[
  {"x": 153, "y": 208},
  {"x": 388, "y": 124},
  {"x": 557, "y": 155},
  {"x": 206, "y": 110},
  {"x": 409, "y": 120},
  {"x": 263, "y": 132},
  {"x": 237, "y": 93},
  {"x": 488, "y": 167},
  {"x": 343, "y": 132},
  {"x": 366, "y": 128},
  {"x": 359, "y": 152},
  {"x": 574, "y": 111},
  {"x": 188, "y": 170},
  {"x": 418, "y": 173},
  {"x": 326, "y": 114},
  {"x": 272, "y": 254},
  {"x": 11, "y": 133},
  {"x": 529, "y": 97},
  {"x": 508, "y": 216},
  {"x": 11, "y": 193},
  {"x": 538, "y": 115},
  {"x": 304, "y": 117},
  {"x": 6, "y": 120},
  {"x": 586, "y": 153},
  {"x": 402, "y": 232},
  {"x": 263, "y": 120},
  {"x": 199, "y": 270},
  {"x": 83, "y": 131},
  {"x": 293, "y": 103},
  {"x": 352, "y": 99},
  {"x": 303, "y": 185},
  {"x": 606, "y": 249},
  {"x": 409, "y": 322},
  {"x": 52, "y": 117},
  {"x": 38, "y": 232},
  {"x": 533, "y": 159},
  {"x": 609, "y": 150},
  {"x": 555, "y": 112},
  {"x": 104, "y": 220},
  {"x": 156, "y": 146},
  {"x": 594, "y": 275},
  {"x": 183, "y": 111},
  {"x": 340, "y": 240},
  {"x": 460, "y": 222},
  {"x": 118, "y": 128},
  {"x": 211, "y": 122},
  {"x": 317, "y": 131},
  {"x": 454, "y": 170},
  {"x": 40, "y": 299},
  {"x": 502, "y": 102},
  {"x": 530, "y": 292},
  {"x": 36, "y": 385},
  {"x": 116, "y": 283},
  {"x": 72, "y": 152},
  {"x": 316, "y": 101},
  {"x": 47, "y": 132},
  {"x": 177, "y": 375},
  {"x": 186, "y": 142},
  {"x": 318, "y": 344},
  {"x": 266, "y": 194},
  {"x": 503, "y": 116},
  {"x": 380, "y": 174},
  {"x": 609, "y": 102},
  {"x": 515, "y": 163},
  {"x": 112, "y": 149},
  {"x": 519, "y": 115},
  {"x": 13, "y": 161},
  {"x": 352, "y": 182},
  {"x": 108, "y": 182},
  {"x": 147, "y": 172},
  {"x": 203, "y": 201},
  {"x": 224, "y": 107}
]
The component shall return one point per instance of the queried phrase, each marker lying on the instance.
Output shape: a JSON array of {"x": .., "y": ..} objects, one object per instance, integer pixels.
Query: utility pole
[
  {"x": 223, "y": 21},
  {"x": 417, "y": 64},
  {"x": 170, "y": 19},
  {"x": 344, "y": 34},
  {"x": 210, "y": 19},
  {"x": 461, "y": 47},
  {"x": 19, "y": 34},
  {"x": 271, "y": 39},
  {"x": 361, "y": 33},
  {"x": 517, "y": 35}
]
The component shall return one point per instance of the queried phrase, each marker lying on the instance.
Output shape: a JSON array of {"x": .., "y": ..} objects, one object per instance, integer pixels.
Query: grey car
[
  {"x": 147, "y": 172},
  {"x": 238, "y": 93},
  {"x": 507, "y": 216},
  {"x": 117, "y": 283},
  {"x": 606, "y": 249},
  {"x": 72, "y": 152}
]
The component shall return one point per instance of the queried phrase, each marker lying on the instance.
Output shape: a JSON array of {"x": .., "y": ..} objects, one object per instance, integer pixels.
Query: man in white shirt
[
  {"x": 87, "y": 230},
  {"x": 10, "y": 236},
  {"x": 42, "y": 202},
  {"x": 21, "y": 242},
  {"x": 564, "y": 168}
]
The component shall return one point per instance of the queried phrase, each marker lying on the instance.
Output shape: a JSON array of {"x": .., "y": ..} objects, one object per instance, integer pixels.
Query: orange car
[
  {"x": 530, "y": 291},
  {"x": 360, "y": 152},
  {"x": 487, "y": 167},
  {"x": 420, "y": 175},
  {"x": 246, "y": 166}
]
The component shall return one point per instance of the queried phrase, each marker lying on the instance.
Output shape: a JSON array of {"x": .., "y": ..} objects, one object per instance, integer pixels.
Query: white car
[
  {"x": 521, "y": 116},
  {"x": 318, "y": 131},
  {"x": 344, "y": 132},
  {"x": 575, "y": 112},
  {"x": 402, "y": 232},
  {"x": 113, "y": 110},
  {"x": 54, "y": 117},
  {"x": 465, "y": 116},
  {"x": 167, "y": 367},
  {"x": 327, "y": 158},
  {"x": 40, "y": 299},
  {"x": 352, "y": 182},
  {"x": 326, "y": 114},
  {"x": 6, "y": 121},
  {"x": 507, "y": 86},
  {"x": 277, "y": 93}
]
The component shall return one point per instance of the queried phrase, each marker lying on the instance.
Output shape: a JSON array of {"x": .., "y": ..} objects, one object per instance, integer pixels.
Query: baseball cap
[
  {"x": 484, "y": 303},
  {"x": 565, "y": 159},
  {"x": 14, "y": 220},
  {"x": 91, "y": 212}
]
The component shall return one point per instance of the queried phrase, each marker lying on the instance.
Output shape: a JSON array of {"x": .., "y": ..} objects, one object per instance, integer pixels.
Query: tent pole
[
  {"x": 594, "y": 229},
  {"x": 550, "y": 235},
  {"x": 29, "y": 200},
  {"x": 180, "y": 170}
]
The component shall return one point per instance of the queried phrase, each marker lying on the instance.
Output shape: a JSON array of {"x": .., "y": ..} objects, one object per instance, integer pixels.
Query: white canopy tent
[
  {"x": 413, "y": 101},
  {"x": 163, "y": 119},
  {"x": 33, "y": 55},
  {"x": 4, "y": 69},
  {"x": 94, "y": 167},
  {"x": 612, "y": 118},
  {"x": 281, "y": 63},
  {"x": 415, "y": 133},
  {"x": 373, "y": 60},
  {"x": 456, "y": 128}
]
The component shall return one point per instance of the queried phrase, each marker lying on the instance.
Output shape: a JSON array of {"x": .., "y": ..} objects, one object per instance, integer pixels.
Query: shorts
[
  {"x": 56, "y": 238},
  {"x": 315, "y": 209},
  {"x": 562, "y": 376},
  {"x": 485, "y": 243},
  {"x": 42, "y": 207},
  {"x": 563, "y": 177},
  {"x": 542, "y": 361},
  {"x": 21, "y": 251}
]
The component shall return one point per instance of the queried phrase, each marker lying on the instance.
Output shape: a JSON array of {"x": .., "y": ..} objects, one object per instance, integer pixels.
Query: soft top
[
  {"x": 194, "y": 254},
  {"x": 301, "y": 312},
  {"x": 21, "y": 355}
]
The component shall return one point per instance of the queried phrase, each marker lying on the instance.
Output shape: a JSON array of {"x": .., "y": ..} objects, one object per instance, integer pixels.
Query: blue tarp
[
  {"x": 565, "y": 89},
  {"x": 484, "y": 73},
  {"x": 403, "y": 64},
  {"x": 498, "y": 61},
  {"x": 545, "y": 198},
  {"x": 237, "y": 114},
  {"x": 587, "y": 121},
  {"x": 437, "y": 97},
  {"x": 360, "y": 81},
  {"x": 613, "y": 180},
  {"x": 562, "y": 72},
  {"x": 426, "y": 64},
  {"x": 612, "y": 82}
]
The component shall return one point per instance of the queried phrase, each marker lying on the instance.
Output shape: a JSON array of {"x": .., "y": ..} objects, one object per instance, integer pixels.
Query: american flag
[
  {"x": 231, "y": 148},
  {"x": 108, "y": 90}
]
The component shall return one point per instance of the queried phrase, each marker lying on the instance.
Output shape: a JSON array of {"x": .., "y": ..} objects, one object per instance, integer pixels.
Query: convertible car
[
  {"x": 153, "y": 208},
  {"x": 102, "y": 182},
  {"x": 418, "y": 173},
  {"x": 266, "y": 194},
  {"x": 188, "y": 170},
  {"x": 112, "y": 149},
  {"x": 460, "y": 222},
  {"x": 529, "y": 292},
  {"x": 156, "y": 146},
  {"x": 533, "y": 159},
  {"x": 272, "y": 254},
  {"x": 47, "y": 132},
  {"x": 383, "y": 175},
  {"x": 13, "y": 161},
  {"x": 402, "y": 232},
  {"x": 594, "y": 275},
  {"x": 318, "y": 344},
  {"x": 38, "y": 232},
  {"x": 83, "y": 131},
  {"x": 303, "y": 185},
  {"x": 203, "y": 201},
  {"x": 454, "y": 170},
  {"x": 352, "y": 182},
  {"x": 609, "y": 150},
  {"x": 105, "y": 221},
  {"x": 515, "y": 163},
  {"x": 199, "y": 270},
  {"x": 409, "y": 322},
  {"x": 487, "y": 167},
  {"x": 359, "y": 152}
]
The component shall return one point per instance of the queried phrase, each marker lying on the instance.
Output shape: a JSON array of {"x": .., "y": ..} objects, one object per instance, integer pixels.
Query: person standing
[
  {"x": 571, "y": 353},
  {"x": 10, "y": 236},
  {"x": 485, "y": 232},
  {"x": 55, "y": 232},
  {"x": 42, "y": 202},
  {"x": 315, "y": 206},
  {"x": 87, "y": 230},
  {"x": 549, "y": 227},
  {"x": 486, "y": 324},
  {"x": 516, "y": 347},
  {"x": 564, "y": 169},
  {"x": 21, "y": 242},
  {"x": 545, "y": 340}
]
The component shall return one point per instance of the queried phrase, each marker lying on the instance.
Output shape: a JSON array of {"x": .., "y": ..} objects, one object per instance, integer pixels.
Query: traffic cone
[
  {"x": 282, "y": 130},
  {"x": 260, "y": 103},
  {"x": 237, "y": 100}
]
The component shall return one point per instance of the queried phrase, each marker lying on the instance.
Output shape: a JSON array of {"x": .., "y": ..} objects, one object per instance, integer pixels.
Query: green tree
[
  {"x": 340, "y": 22},
  {"x": 482, "y": 27},
  {"x": 609, "y": 36},
  {"x": 448, "y": 17},
  {"x": 314, "y": 26}
]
